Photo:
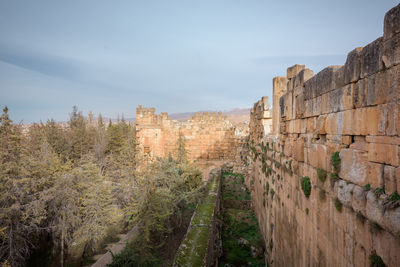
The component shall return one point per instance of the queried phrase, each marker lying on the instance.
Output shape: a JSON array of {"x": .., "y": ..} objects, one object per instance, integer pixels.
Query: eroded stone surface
[{"x": 354, "y": 110}]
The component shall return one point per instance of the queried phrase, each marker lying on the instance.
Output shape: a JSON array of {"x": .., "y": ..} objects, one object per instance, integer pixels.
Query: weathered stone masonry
[
  {"x": 354, "y": 110},
  {"x": 211, "y": 139}
]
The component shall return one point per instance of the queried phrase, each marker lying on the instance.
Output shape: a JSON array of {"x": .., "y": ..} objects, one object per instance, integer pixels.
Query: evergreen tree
[
  {"x": 58, "y": 139},
  {"x": 97, "y": 210},
  {"x": 180, "y": 151},
  {"x": 15, "y": 201},
  {"x": 115, "y": 138},
  {"x": 79, "y": 138},
  {"x": 63, "y": 203}
]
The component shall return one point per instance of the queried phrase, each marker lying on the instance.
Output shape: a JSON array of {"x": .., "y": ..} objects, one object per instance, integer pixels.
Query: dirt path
[{"x": 103, "y": 259}]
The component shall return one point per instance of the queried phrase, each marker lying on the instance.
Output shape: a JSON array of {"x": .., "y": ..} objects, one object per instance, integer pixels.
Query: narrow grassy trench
[{"x": 242, "y": 244}]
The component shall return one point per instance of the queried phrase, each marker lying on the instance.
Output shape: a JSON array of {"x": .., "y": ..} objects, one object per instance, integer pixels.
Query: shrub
[
  {"x": 272, "y": 193},
  {"x": 264, "y": 168},
  {"x": 306, "y": 185},
  {"x": 379, "y": 191},
  {"x": 376, "y": 261},
  {"x": 335, "y": 159},
  {"x": 321, "y": 173},
  {"x": 394, "y": 196},
  {"x": 367, "y": 187},
  {"x": 307, "y": 211},
  {"x": 334, "y": 176},
  {"x": 338, "y": 205}
]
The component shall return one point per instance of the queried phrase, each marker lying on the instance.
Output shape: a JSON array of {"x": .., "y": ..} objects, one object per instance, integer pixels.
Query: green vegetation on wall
[
  {"x": 376, "y": 261},
  {"x": 394, "y": 196},
  {"x": 306, "y": 185},
  {"x": 321, "y": 173},
  {"x": 338, "y": 205},
  {"x": 241, "y": 241},
  {"x": 335, "y": 159}
]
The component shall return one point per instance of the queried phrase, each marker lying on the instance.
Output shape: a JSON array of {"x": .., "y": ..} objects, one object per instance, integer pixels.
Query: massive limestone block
[
  {"x": 320, "y": 125},
  {"x": 392, "y": 23},
  {"x": 384, "y": 153},
  {"x": 326, "y": 80},
  {"x": 360, "y": 93},
  {"x": 293, "y": 70},
  {"x": 394, "y": 82},
  {"x": 375, "y": 175},
  {"x": 289, "y": 105},
  {"x": 379, "y": 91},
  {"x": 393, "y": 118},
  {"x": 391, "y": 38},
  {"x": 397, "y": 177},
  {"x": 309, "y": 88},
  {"x": 383, "y": 140},
  {"x": 303, "y": 76},
  {"x": 283, "y": 106},
  {"x": 345, "y": 193},
  {"x": 359, "y": 198},
  {"x": 317, "y": 106},
  {"x": 339, "y": 77},
  {"x": 318, "y": 156},
  {"x": 344, "y": 122},
  {"x": 391, "y": 221},
  {"x": 279, "y": 88},
  {"x": 298, "y": 151},
  {"x": 352, "y": 67},
  {"x": 265, "y": 103},
  {"x": 368, "y": 121},
  {"x": 323, "y": 82},
  {"x": 390, "y": 179},
  {"x": 371, "y": 58},
  {"x": 338, "y": 100},
  {"x": 354, "y": 166},
  {"x": 300, "y": 105},
  {"x": 374, "y": 209},
  {"x": 391, "y": 51}
]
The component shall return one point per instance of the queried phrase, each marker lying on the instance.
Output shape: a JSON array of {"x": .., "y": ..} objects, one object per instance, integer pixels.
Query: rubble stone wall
[
  {"x": 325, "y": 177},
  {"x": 210, "y": 138}
]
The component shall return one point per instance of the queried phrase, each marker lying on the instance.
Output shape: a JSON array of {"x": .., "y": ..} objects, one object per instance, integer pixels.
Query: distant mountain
[{"x": 235, "y": 115}]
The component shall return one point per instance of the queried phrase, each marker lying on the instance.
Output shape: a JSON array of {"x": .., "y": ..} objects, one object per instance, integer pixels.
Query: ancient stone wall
[
  {"x": 210, "y": 138},
  {"x": 325, "y": 178}
]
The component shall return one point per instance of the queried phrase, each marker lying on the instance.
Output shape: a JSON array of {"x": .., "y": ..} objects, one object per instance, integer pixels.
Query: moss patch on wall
[{"x": 306, "y": 185}]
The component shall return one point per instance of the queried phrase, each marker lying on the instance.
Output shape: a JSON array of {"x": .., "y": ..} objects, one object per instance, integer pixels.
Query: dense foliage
[{"x": 67, "y": 186}]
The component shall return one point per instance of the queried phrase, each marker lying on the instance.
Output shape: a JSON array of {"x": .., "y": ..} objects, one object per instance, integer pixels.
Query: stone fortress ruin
[
  {"x": 210, "y": 138},
  {"x": 323, "y": 165}
]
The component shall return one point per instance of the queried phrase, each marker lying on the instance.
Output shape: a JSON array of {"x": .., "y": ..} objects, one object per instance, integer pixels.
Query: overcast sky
[{"x": 177, "y": 56}]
